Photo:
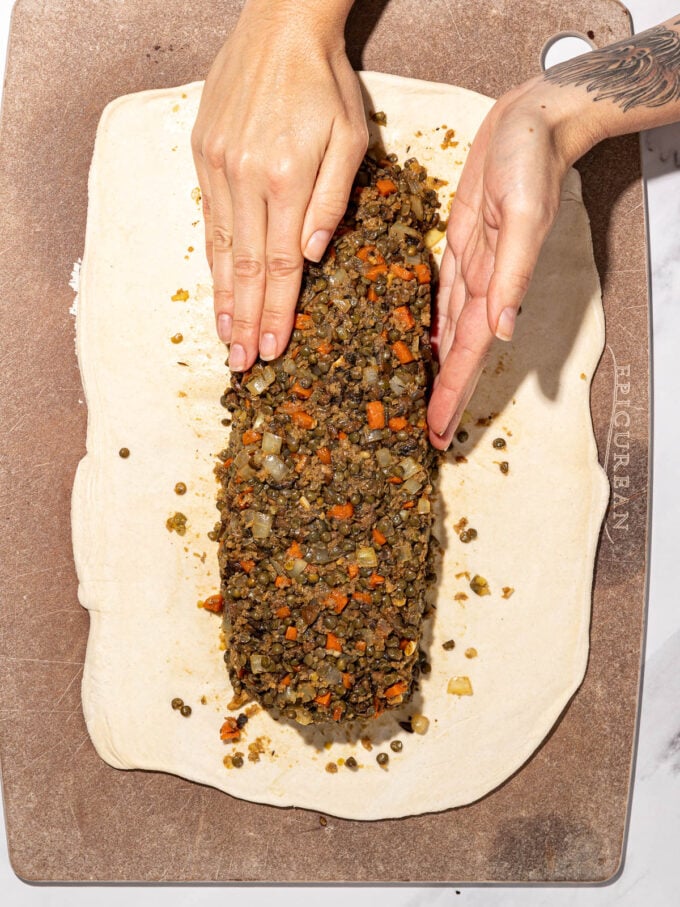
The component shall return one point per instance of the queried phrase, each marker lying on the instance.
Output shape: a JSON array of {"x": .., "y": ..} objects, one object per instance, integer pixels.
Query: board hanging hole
[{"x": 564, "y": 46}]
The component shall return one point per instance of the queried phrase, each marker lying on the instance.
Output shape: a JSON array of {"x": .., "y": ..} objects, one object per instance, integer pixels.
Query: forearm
[
  {"x": 625, "y": 87},
  {"x": 326, "y": 17}
]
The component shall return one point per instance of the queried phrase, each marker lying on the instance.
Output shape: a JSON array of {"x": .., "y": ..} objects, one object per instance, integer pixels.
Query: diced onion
[
  {"x": 339, "y": 276},
  {"x": 409, "y": 467},
  {"x": 366, "y": 557},
  {"x": 375, "y": 434},
  {"x": 256, "y": 665},
  {"x": 413, "y": 485},
  {"x": 413, "y": 259},
  {"x": 260, "y": 422},
  {"x": 403, "y": 229},
  {"x": 424, "y": 505},
  {"x": 397, "y": 385},
  {"x": 371, "y": 374},
  {"x": 432, "y": 237},
  {"x": 384, "y": 457},
  {"x": 417, "y": 206},
  {"x": 275, "y": 467},
  {"x": 295, "y": 567},
  {"x": 459, "y": 686},
  {"x": 269, "y": 374},
  {"x": 257, "y": 385},
  {"x": 262, "y": 525},
  {"x": 403, "y": 552},
  {"x": 271, "y": 443},
  {"x": 343, "y": 304}
]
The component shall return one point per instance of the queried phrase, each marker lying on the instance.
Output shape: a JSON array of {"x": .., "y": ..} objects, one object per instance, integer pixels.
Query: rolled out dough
[{"x": 537, "y": 526}]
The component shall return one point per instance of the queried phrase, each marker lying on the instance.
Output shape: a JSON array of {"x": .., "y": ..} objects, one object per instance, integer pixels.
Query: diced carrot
[
  {"x": 227, "y": 463},
  {"x": 402, "y": 352},
  {"x": 378, "y": 537},
  {"x": 241, "y": 673},
  {"x": 398, "y": 423},
  {"x": 341, "y": 511},
  {"x": 247, "y": 566},
  {"x": 403, "y": 318},
  {"x": 385, "y": 186},
  {"x": 250, "y": 437},
  {"x": 408, "y": 505},
  {"x": 282, "y": 582},
  {"x": 372, "y": 296},
  {"x": 323, "y": 698},
  {"x": 283, "y": 611},
  {"x": 395, "y": 480},
  {"x": 375, "y": 580},
  {"x": 303, "y": 420},
  {"x": 243, "y": 499},
  {"x": 324, "y": 454},
  {"x": 285, "y": 682},
  {"x": 375, "y": 413},
  {"x": 362, "y": 597},
  {"x": 214, "y": 603},
  {"x": 383, "y": 334},
  {"x": 294, "y": 550},
  {"x": 423, "y": 273},
  {"x": 333, "y": 643},
  {"x": 403, "y": 643},
  {"x": 303, "y": 392},
  {"x": 290, "y": 407},
  {"x": 303, "y": 322},
  {"x": 324, "y": 348},
  {"x": 353, "y": 570},
  {"x": 375, "y": 271},
  {"x": 360, "y": 645},
  {"x": 400, "y": 271},
  {"x": 364, "y": 252},
  {"x": 230, "y": 730},
  {"x": 336, "y": 600},
  {"x": 397, "y": 689},
  {"x": 347, "y": 681},
  {"x": 342, "y": 435},
  {"x": 291, "y": 633},
  {"x": 337, "y": 712}
]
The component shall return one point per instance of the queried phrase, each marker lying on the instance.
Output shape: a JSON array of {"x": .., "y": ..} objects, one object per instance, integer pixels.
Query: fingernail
[
  {"x": 267, "y": 346},
  {"x": 237, "y": 358},
  {"x": 316, "y": 245},
  {"x": 224, "y": 328},
  {"x": 506, "y": 324}
]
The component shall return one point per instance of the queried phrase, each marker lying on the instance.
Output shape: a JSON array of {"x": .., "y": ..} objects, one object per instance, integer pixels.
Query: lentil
[
  {"x": 177, "y": 703},
  {"x": 396, "y": 746},
  {"x": 124, "y": 453}
]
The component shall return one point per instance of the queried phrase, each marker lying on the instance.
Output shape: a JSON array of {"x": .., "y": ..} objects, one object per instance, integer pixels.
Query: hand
[
  {"x": 505, "y": 204},
  {"x": 279, "y": 136}
]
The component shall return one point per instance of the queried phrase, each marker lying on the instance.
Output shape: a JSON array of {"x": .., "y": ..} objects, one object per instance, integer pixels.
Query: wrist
[{"x": 575, "y": 123}]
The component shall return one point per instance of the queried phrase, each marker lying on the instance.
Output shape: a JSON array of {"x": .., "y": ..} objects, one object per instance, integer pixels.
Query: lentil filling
[{"x": 327, "y": 480}]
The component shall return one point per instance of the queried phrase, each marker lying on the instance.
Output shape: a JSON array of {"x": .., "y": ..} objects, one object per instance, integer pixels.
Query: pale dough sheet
[{"x": 537, "y": 526}]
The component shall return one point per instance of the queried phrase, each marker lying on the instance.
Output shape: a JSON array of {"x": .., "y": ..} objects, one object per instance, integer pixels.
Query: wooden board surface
[{"x": 69, "y": 815}]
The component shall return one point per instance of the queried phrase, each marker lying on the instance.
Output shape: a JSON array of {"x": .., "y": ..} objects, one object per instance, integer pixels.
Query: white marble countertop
[{"x": 653, "y": 846}]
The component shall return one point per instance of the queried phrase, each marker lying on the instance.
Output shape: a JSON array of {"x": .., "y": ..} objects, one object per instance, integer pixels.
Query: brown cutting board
[{"x": 69, "y": 815}]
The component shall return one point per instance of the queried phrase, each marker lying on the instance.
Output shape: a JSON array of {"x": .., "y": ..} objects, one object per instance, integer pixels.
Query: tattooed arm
[{"x": 509, "y": 193}]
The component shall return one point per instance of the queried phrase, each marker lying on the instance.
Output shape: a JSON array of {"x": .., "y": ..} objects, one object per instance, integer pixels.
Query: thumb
[{"x": 520, "y": 237}]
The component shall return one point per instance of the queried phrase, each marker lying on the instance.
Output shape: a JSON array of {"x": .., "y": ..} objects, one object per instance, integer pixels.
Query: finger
[
  {"x": 284, "y": 263},
  {"x": 459, "y": 372},
  {"x": 204, "y": 186},
  {"x": 520, "y": 237},
  {"x": 447, "y": 272},
  {"x": 248, "y": 256},
  {"x": 220, "y": 253},
  {"x": 331, "y": 190}
]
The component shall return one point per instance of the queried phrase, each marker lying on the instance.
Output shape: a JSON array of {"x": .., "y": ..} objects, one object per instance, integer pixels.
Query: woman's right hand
[{"x": 279, "y": 136}]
